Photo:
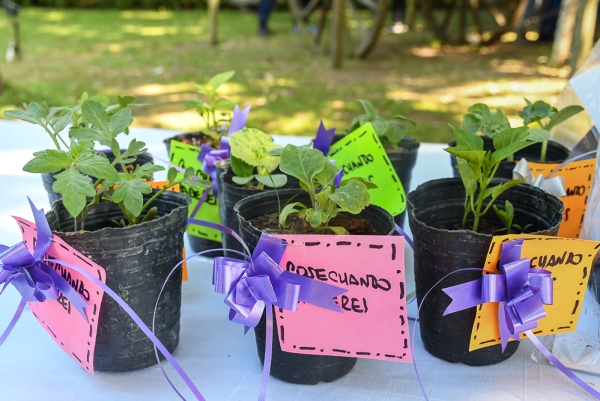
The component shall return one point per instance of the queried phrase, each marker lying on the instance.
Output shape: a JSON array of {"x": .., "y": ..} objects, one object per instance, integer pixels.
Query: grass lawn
[{"x": 156, "y": 55}]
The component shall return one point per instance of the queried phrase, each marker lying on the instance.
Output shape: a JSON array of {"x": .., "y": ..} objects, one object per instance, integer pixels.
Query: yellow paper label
[
  {"x": 578, "y": 177},
  {"x": 185, "y": 156},
  {"x": 569, "y": 261},
  {"x": 360, "y": 154}
]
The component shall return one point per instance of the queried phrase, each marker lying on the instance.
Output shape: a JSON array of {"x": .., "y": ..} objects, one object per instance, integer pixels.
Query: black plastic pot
[
  {"x": 137, "y": 260},
  {"x": 555, "y": 153},
  {"x": 286, "y": 366},
  {"x": 230, "y": 194},
  {"x": 403, "y": 160},
  {"x": 439, "y": 251},
  {"x": 191, "y": 138},
  {"x": 48, "y": 179}
]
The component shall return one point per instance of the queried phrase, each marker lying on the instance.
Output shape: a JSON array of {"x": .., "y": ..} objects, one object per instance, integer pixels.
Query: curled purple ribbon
[
  {"x": 520, "y": 290},
  {"x": 31, "y": 276},
  {"x": 250, "y": 286},
  {"x": 208, "y": 155}
]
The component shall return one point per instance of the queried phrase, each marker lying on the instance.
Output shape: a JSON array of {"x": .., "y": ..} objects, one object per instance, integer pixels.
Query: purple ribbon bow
[
  {"x": 209, "y": 155},
  {"x": 322, "y": 142},
  {"x": 250, "y": 286},
  {"x": 33, "y": 278},
  {"x": 520, "y": 290}
]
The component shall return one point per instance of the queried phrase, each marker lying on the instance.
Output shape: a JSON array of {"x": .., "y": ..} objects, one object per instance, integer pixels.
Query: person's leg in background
[{"x": 265, "y": 8}]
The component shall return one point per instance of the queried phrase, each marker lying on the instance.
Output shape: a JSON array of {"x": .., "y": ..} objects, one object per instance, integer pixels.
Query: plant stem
[
  {"x": 467, "y": 210},
  {"x": 544, "y": 149},
  {"x": 477, "y": 212},
  {"x": 156, "y": 195}
]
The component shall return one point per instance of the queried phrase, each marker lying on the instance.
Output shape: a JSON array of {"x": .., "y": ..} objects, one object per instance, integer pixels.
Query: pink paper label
[
  {"x": 374, "y": 324},
  {"x": 64, "y": 324}
]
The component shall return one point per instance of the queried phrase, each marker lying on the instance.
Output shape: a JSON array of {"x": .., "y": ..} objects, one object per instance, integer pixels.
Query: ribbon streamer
[{"x": 554, "y": 185}]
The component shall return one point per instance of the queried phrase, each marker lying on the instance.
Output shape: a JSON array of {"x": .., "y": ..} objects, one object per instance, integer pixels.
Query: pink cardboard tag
[
  {"x": 374, "y": 324},
  {"x": 64, "y": 324}
]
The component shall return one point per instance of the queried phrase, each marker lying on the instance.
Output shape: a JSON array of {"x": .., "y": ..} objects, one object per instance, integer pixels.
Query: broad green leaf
[
  {"x": 223, "y": 104},
  {"x": 240, "y": 167},
  {"x": 506, "y": 215},
  {"x": 315, "y": 217},
  {"x": 146, "y": 170},
  {"x": 242, "y": 180},
  {"x": 353, "y": 197},
  {"x": 125, "y": 101},
  {"x": 336, "y": 230},
  {"x": 367, "y": 184},
  {"x": 252, "y": 146},
  {"x": 196, "y": 183},
  {"x": 474, "y": 157},
  {"x": 62, "y": 122},
  {"x": 395, "y": 133},
  {"x": 288, "y": 210},
  {"x": 189, "y": 172},
  {"x": 80, "y": 147},
  {"x": 302, "y": 162},
  {"x": 498, "y": 189},
  {"x": 220, "y": 79},
  {"x": 510, "y": 136},
  {"x": 75, "y": 189},
  {"x": 563, "y": 115},
  {"x": 48, "y": 161},
  {"x": 275, "y": 152},
  {"x": 470, "y": 123},
  {"x": 120, "y": 121},
  {"x": 468, "y": 176},
  {"x": 511, "y": 149},
  {"x": 539, "y": 135},
  {"x": 497, "y": 124},
  {"x": 96, "y": 166},
  {"x": 33, "y": 114},
  {"x": 369, "y": 109},
  {"x": 172, "y": 174},
  {"x": 380, "y": 125},
  {"x": 94, "y": 113},
  {"x": 274, "y": 181},
  {"x": 91, "y": 134},
  {"x": 131, "y": 194},
  {"x": 534, "y": 112},
  {"x": 203, "y": 90},
  {"x": 406, "y": 119},
  {"x": 480, "y": 110},
  {"x": 323, "y": 197},
  {"x": 194, "y": 104},
  {"x": 135, "y": 148},
  {"x": 467, "y": 140},
  {"x": 326, "y": 176}
]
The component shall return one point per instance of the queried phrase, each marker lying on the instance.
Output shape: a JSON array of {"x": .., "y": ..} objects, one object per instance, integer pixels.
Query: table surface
[{"x": 214, "y": 352}]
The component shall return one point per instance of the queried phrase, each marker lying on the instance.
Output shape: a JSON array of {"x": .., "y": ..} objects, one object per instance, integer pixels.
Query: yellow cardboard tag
[
  {"x": 570, "y": 262},
  {"x": 578, "y": 177}
]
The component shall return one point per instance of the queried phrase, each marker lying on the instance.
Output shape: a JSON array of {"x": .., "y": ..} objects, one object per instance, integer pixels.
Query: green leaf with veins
[
  {"x": 131, "y": 193},
  {"x": 315, "y": 217},
  {"x": 302, "y": 162},
  {"x": 323, "y": 197},
  {"x": 120, "y": 121},
  {"x": 91, "y": 134},
  {"x": 240, "y": 168},
  {"x": 353, "y": 197},
  {"x": 539, "y": 135},
  {"x": 242, "y": 180},
  {"x": 370, "y": 110},
  {"x": 326, "y": 176},
  {"x": 368, "y": 184},
  {"x": 395, "y": 133},
  {"x": 96, "y": 166},
  {"x": 146, "y": 170},
  {"x": 48, "y": 161},
  {"x": 272, "y": 181},
  {"x": 135, "y": 148},
  {"x": 380, "y": 125},
  {"x": 196, "y": 184},
  {"x": 79, "y": 148},
  {"x": 94, "y": 113},
  {"x": 33, "y": 114},
  {"x": 75, "y": 189},
  {"x": 220, "y": 79},
  {"x": 535, "y": 111},
  {"x": 62, "y": 122},
  {"x": 253, "y": 146},
  {"x": 172, "y": 174},
  {"x": 288, "y": 210},
  {"x": 563, "y": 115}
]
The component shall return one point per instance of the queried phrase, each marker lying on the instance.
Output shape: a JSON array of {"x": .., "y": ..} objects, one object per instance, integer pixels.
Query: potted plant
[
  {"x": 319, "y": 207},
  {"x": 539, "y": 116},
  {"x": 80, "y": 124},
  {"x": 253, "y": 170},
  {"x": 453, "y": 221},
  {"x": 119, "y": 222},
  {"x": 216, "y": 112},
  {"x": 401, "y": 149}
]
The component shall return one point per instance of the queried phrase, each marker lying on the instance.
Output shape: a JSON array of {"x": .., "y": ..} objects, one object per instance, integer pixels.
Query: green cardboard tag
[
  {"x": 360, "y": 154},
  {"x": 186, "y": 156}
]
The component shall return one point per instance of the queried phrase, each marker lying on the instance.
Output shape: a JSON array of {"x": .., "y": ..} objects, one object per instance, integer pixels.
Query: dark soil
[
  {"x": 197, "y": 138},
  {"x": 485, "y": 228},
  {"x": 296, "y": 225}
]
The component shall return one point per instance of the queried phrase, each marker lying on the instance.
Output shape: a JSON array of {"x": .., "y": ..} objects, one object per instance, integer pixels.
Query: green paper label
[
  {"x": 360, "y": 154},
  {"x": 186, "y": 156}
]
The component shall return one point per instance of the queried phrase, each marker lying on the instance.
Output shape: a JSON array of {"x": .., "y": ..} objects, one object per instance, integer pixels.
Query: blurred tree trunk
[
  {"x": 563, "y": 37},
  {"x": 213, "y": 13},
  {"x": 583, "y": 38}
]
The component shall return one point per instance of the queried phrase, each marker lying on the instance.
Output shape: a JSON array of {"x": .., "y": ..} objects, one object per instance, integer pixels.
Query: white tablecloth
[{"x": 213, "y": 351}]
